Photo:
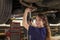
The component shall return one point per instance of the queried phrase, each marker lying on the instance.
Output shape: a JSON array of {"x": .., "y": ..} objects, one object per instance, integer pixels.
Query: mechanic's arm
[{"x": 25, "y": 24}]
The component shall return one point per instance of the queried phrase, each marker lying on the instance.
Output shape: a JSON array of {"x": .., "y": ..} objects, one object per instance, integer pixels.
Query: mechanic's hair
[{"x": 44, "y": 18}]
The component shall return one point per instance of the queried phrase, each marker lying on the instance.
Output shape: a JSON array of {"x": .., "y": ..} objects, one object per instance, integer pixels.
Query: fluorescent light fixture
[{"x": 8, "y": 25}]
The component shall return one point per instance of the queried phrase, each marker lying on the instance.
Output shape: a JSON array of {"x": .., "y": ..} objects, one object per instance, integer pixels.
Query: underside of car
[{"x": 8, "y": 8}]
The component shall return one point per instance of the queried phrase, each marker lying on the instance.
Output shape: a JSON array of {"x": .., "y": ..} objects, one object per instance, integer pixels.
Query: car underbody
[{"x": 9, "y": 8}]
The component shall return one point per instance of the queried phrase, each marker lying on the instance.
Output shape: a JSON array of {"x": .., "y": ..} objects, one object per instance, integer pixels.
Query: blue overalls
[{"x": 37, "y": 33}]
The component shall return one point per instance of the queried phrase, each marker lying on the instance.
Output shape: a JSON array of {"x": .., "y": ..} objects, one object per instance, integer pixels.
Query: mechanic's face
[{"x": 39, "y": 21}]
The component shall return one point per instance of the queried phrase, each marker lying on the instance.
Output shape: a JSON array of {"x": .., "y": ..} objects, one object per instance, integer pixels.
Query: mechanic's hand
[{"x": 28, "y": 10}]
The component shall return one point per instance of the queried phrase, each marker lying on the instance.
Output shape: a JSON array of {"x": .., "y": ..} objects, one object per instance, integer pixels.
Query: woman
[{"x": 41, "y": 31}]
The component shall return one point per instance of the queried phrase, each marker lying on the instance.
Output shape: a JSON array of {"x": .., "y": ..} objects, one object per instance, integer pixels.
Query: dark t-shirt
[{"x": 37, "y": 33}]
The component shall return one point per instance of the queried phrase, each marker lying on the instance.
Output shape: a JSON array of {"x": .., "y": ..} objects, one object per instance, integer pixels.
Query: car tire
[{"x": 5, "y": 10}]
